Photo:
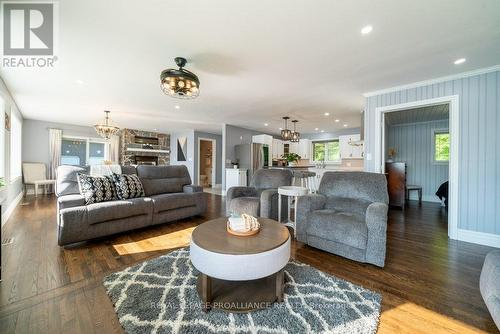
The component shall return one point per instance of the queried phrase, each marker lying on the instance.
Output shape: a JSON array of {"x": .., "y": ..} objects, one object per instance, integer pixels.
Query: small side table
[
  {"x": 290, "y": 191},
  {"x": 414, "y": 188}
]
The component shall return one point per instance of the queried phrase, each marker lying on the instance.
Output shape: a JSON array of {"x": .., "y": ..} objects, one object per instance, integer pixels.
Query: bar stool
[{"x": 307, "y": 180}]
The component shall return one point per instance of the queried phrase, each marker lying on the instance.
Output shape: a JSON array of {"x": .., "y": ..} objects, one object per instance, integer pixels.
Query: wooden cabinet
[
  {"x": 396, "y": 183},
  {"x": 348, "y": 151}
]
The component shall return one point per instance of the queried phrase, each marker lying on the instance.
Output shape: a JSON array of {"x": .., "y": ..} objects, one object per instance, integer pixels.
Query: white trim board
[
  {"x": 433, "y": 81},
  {"x": 453, "y": 166},
  {"x": 481, "y": 238},
  {"x": 11, "y": 208}
]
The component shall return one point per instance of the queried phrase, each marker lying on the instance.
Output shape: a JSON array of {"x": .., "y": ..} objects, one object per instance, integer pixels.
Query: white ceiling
[
  {"x": 257, "y": 61},
  {"x": 425, "y": 114}
]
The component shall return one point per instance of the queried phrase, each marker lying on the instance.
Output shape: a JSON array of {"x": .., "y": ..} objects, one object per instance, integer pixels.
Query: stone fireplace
[{"x": 144, "y": 148}]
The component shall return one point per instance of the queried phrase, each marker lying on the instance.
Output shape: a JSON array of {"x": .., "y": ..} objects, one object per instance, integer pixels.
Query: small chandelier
[
  {"x": 105, "y": 128},
  {"x": 180, "y": 83},
  {"x": 285, "y": 133},
  {"x": 295, "y": 136}
]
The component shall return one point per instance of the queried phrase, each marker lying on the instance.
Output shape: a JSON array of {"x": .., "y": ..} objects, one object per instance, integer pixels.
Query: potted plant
[
  {"x": 291, "y": 158},
  {"x": 392, "y": 154}
]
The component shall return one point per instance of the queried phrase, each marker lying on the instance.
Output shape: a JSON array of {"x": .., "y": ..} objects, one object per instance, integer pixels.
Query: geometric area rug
[{"x": 159, "y": 296}]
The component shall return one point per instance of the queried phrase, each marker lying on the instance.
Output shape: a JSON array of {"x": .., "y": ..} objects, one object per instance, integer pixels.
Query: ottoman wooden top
[{"x": 213, "y": 236}]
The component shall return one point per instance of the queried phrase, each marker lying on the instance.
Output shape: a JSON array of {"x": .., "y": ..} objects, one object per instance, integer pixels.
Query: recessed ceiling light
[
  {"x": 459, "y": 61},
  {"x": 80, "y": 82},
  {"x": 345, "y": 125},
  {"x": 177, "y": 107},
  {"x": 337, "y": 120},
  {"x": 316, "y": 129},
  {"x": 266, "y": 124},
  {"x": 366, "y": 30},
  {"x": 327, "y": 114},
  {"x": 281, "y": 129},
  {"x": 322, "y": 130},
  {"x": 155, "y": 129}
]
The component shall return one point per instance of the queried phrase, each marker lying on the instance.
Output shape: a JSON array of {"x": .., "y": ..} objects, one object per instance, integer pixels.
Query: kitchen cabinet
[
  {"x": 263, "y": 139},
  {"x": 305, "y": 149},
  {"x": 277, "y": 148},
  {"x": 348, "y": 151},
  {"x": 236, "y": 177}
]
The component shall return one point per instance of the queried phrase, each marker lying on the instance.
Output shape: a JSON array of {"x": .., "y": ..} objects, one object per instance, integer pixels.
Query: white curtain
[
  {"x": 55, "y": 141},
  {"x": 114, "y": 150}
]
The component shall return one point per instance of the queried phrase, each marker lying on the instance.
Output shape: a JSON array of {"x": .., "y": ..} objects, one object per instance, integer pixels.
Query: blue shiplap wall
[
  {"x": 479, "y": 172},
  {"x": 413, "y": 144}
]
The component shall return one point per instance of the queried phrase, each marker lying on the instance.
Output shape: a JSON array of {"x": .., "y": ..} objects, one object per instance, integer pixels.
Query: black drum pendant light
[{"x": 180, "y": 83}]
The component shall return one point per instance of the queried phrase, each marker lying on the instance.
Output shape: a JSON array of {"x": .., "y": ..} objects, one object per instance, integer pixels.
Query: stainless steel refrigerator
[{"x": 252, "y": 157}]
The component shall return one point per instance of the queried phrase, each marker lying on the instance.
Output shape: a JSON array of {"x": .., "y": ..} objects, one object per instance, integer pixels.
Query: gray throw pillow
[
  {"x": 96, "y": 189},
  {"x": 128, "y": 186}
]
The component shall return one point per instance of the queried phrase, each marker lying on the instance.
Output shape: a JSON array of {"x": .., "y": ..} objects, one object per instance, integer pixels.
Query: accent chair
[
  {"x": 261, "y": 198},
  {"x": 347, "y": 216}
]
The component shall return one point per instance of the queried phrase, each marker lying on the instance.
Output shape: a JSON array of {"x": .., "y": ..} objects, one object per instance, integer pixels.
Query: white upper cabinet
[
  {"x": 263, "y": 139},
  {"x": 277, "y": 149},
  {"x": 305, "y": 148},
  {"x": 348, "y": 151}
]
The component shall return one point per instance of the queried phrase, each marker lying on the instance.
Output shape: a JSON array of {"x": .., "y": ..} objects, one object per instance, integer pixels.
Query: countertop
[{"x": 291, "y": 167}]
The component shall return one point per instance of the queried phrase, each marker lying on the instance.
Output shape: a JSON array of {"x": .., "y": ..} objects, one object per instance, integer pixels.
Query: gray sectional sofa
[
  {"x": 347, "y": 217},
  {"x": 169, "y": 197}
]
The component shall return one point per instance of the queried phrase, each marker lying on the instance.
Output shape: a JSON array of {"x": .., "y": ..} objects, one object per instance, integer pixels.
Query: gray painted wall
[
  {"x": 235, "y": 136},
  {"x": 218, "y": 154},
  {"x": 36, "y": 138},
  {"x": 479, "y": 143},
  {"x": 413, "y": 144},
  {"x": 11, "y": 191}
]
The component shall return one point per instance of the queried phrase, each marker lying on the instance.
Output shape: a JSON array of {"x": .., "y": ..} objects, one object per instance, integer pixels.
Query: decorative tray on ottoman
[{"x": 244, "y": 226}]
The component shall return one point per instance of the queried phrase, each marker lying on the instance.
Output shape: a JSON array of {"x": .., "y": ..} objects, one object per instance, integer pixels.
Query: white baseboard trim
[
  {"x": 486, "y": 239},
  {"x": 425, "y": 198},
  {"x": 11, "y": 207}
]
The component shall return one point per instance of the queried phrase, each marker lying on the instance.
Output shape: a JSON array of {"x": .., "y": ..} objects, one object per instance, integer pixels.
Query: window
[
  {"x": 15, "y": 145},
  {"x": 326, "y": 150},
  {"x": 83, "y": 151},
  {"x": 441, "y": 146}
]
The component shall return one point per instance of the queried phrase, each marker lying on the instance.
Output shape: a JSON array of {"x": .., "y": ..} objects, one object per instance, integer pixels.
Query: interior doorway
[
  {"x": 207, "y": 162},
  {"x": 381, "y": 148}
]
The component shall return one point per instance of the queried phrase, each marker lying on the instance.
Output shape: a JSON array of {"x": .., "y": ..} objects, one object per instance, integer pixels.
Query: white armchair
[{"x": 35, "y": 174}]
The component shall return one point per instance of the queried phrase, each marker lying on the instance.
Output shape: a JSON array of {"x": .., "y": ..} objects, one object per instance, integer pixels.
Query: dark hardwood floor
[{"x": 429, "y": 283}]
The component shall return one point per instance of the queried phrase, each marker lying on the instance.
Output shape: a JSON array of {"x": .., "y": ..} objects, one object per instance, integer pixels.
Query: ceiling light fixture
[
  {"x": 266, "y": 124},
  {"x": 105, "y": 128},
  {"x": 327, "y": 114},
  {"x": 366, "y": 30},
  {"x": 295, "y": 138},
  {"x": 337, "y": 120},
  {"x": 322, "y": 130},
  {"x": 180, "y": 83},
  {"x": 285, "y": 133},
  {"x": 459, "y": 61},
  {"x": 177, "y": 107},
  {"x": 80, "y": 82},
  {"x": 316, "y": 129},
  {"x": 345, "y": 125}
]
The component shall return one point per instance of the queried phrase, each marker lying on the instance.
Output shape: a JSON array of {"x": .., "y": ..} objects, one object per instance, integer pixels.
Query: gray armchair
[
  {"x": 261, "y": 198},
  {"x": 347, "y": 216}
]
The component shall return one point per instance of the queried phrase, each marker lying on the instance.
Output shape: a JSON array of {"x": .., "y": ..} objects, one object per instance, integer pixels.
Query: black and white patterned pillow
[
  {"x": 128, "y": 186},
  {"x": 96, "y": 189}
]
